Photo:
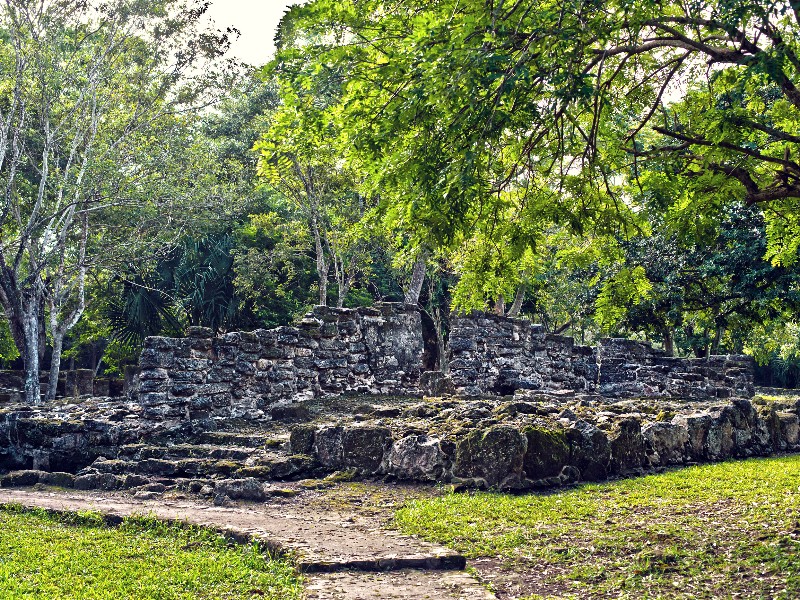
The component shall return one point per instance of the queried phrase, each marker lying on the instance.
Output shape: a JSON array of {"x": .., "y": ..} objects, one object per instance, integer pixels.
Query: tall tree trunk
[
  {"x": 344, "y": 289},
  {"x": 669, "y": 341},
  {"x": 55, "y": 366},
  {"x": 717, "y": 339},
  {"x": 414, "y": 289},
  {"x": 519, "y": 298},
  {"x": 30, "y": 351},
  {"x": 322, "y": 264},
  {"x": 500, "y": 306}
]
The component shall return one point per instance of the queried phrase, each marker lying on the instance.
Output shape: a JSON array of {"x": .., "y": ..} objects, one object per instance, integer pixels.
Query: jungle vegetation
[{"x": 604, "y": 168}]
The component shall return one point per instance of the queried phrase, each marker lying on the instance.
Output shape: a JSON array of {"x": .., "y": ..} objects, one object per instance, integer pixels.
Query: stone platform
[{"x": 520, "y": 442}]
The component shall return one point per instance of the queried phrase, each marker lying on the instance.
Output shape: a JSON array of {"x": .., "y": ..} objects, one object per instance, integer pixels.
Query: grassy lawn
[
  {"x": 729, "y": 530},
  {"x": 44, "y": 556}
]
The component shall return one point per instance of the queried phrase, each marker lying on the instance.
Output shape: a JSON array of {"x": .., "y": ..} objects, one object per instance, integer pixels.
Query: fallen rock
[
  {"x": 290, "y": 412},
  {"x": 628, "y": 450},
  {"x": 98, "y": 481},
  {"x": 668, "y": 441},
  {"x": 57, "y": 479},
  {"x": 242, "y": 489},
  {"x": 363, "y": 448},
  {"x": 327, "y": 447},
  {"x": 301, "y": 439},
  {"x": 21, "y": 478}
]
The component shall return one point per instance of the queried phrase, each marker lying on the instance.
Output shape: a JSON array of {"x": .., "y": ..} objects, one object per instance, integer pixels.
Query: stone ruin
[
  {"x": 354, "y": 391},
  {"x": 382, "y": 351}
]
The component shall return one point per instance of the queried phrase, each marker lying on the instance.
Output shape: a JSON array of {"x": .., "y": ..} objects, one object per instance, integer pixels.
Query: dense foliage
[{"x": 613, "y": 168}]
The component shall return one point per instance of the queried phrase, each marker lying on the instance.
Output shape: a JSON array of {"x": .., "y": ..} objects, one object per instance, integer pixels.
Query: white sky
[{"x": 256, "y": 19}]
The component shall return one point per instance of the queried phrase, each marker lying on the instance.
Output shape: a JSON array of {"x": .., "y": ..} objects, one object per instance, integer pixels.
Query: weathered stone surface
[
  {"x": 98, "y": 481},
  {"x": 290, "y": 412},
  {"x": 364, "y": 447},
  {"x": 242, "y": 489},
  {"x": 20, "y": 478},
  {"x": 628, "y": 450},
  {"x": 418, "y": 458},
  {"x": 696, "y": 426},
  {"x": 57, "y": 479},
  {"x": 668, "y": 442},
  {"x": 301, "y": 439},
  {"x": 493, "y": 355},
  {"x": 590, "y": 451},
  {"x": 327, "y": 447},
  {"x": 536, "y": 440},
  {"x": 494, "y": 455},
  {"x": 547, "y": 453},
  {"x": 243, "y": 374},
  {"x": 629, "y": 368}
]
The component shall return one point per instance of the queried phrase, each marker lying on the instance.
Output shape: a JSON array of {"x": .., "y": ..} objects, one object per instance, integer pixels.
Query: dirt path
[{"x": 345, "y": 553}]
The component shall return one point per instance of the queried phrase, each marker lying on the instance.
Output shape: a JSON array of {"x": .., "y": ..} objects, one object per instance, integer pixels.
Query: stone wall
[
  {"x": 534, "y": 440},
  {"x": 381, "y": 350},
  {"x": 495, "y": 355},
  {"x": 331, "y": 351},
  {"x": 634, "y": 369},
  {"x": 65, "y": 437},
  {"x": 550, "y": 440},
  {"x": 492, "y": 355}
]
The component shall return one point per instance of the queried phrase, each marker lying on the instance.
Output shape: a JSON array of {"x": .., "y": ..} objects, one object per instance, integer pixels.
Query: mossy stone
[{"x": 548, "y": 452}]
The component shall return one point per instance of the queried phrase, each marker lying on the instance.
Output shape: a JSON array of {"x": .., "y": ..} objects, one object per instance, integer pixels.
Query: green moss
[
  {"x": 665, "y": 416},
  {"x": 257, "y": 472},
  {"x": 226, "y": 466},
  {"x": 548, "y": 451},
  {"x": 338, "y": 476}
]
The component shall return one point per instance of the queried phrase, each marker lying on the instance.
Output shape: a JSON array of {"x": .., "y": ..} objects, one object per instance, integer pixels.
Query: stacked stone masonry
[
  {"x": 381, "y": 350},
  {"x": 534, "y": 440},
  {"x": 634, "y": 369},
  {"x": 492, "y": 355},
  {"x": 330, "y": 352}
]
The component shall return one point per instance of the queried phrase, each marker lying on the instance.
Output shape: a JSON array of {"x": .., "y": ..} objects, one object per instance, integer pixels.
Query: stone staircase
[
  {"x": 244, "y": 460},
  {"x": 237, "y": 459}
]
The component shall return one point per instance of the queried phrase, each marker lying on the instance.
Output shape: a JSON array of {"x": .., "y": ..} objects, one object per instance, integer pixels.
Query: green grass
[
  {"x": 46, "y": 556},
  {"x": 728, "y": 530}
]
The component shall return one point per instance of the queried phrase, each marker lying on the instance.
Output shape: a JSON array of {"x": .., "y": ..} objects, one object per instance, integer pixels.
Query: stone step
[
  {"x": 259, "y": 439},
  {"x": 157, "y": 467},
  {"x": 278, "y": 468},
  {"x": 267, "y": 466},
  {"x": 181, "y": 451}
]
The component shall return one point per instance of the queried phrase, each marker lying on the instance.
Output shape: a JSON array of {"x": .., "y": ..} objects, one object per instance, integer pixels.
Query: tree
[
  {"x": 299, "y": 159},
  {"x": 708, "y": 288},
  {"x": 86, "y": 93},
  {"x": 439, "y": 110},
  {"x": 452, "y": 104}
]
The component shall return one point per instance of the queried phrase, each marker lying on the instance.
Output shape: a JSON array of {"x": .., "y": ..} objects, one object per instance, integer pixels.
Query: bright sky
[{"x": 256, "y": 19}]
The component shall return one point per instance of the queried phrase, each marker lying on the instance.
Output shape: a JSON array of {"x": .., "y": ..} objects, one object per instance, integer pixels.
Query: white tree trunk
[
  {"x": 322, "y": 264},
  {"x": 30, "y": 352},
  {"x": 55, "y": 367},
  {"x": 414, "y": 289},
  {"x": 519, "y": 298}
]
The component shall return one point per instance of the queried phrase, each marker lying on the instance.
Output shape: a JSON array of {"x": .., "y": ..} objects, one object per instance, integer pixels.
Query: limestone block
[
  {"x": 494, "y": 455},
  {"x": 418, "y": 458}
]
